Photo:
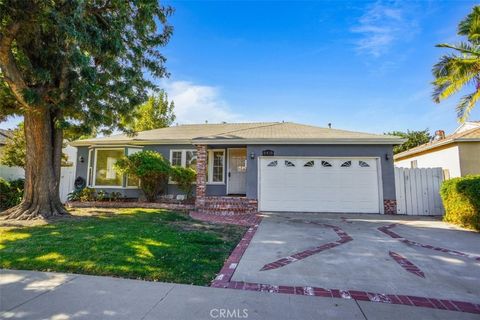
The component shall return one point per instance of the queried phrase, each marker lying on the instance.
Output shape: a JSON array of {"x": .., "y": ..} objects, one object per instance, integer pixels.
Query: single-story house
[
  {"x": 277, "y": 166},
  {"x": 458, "y": 154}
]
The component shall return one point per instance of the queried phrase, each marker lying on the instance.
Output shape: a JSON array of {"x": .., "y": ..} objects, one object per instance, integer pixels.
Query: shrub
[
  {"x": 115, "y": 196},
  {"x": 85, "y": 194},
  {"x": 11, "y": 192},
  {"x": 150, "y": 168},
  {"x": 184, "y": 177},
  {"x": 461, "y": 199},
  {"x": 101, "y": 195}
]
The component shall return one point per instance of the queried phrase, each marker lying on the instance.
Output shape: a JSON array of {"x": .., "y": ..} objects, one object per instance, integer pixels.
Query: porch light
[
  {"x": 81, "y": 159},
  {"x": 387, "y": 157},
  {"x": 252, "y": 155}
]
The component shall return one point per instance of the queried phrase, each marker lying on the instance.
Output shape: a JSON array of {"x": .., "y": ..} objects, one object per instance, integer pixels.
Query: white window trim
[
  {"x": 94, "y": 185},
  {"x": 89, "y": 168},
  {"x": 184, "y": 155},
  {"x": 183, "y": 159},
  {"x": 210, "y": 167}
]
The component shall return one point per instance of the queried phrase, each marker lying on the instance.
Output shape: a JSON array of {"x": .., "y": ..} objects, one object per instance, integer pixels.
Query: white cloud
[
  {"x": 196, "y": 103},
  {"x": 383, "y": 25}
]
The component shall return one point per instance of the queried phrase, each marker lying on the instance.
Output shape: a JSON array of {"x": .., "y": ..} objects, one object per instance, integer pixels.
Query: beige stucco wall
[
  {"x": 447, "y": 157},
  {"x": 470, "y": 158}
]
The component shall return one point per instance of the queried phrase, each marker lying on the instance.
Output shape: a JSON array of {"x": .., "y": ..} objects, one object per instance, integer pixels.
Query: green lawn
[{"x": 132, "y": 243}]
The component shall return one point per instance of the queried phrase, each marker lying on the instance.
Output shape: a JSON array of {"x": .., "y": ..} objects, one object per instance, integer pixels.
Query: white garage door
[{"x": 319, "y": 184}]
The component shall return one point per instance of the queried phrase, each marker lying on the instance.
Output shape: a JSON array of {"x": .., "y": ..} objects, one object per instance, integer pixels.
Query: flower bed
[{"x": 131, "y": 204}]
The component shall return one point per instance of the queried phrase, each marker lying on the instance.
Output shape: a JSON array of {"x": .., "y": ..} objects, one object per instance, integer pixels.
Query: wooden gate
[{"x": 418, "y": 191}]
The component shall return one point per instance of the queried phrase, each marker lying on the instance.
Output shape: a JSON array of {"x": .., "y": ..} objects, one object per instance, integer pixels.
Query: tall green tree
[
  {"x": 75, "y": 65},
  {"x": 461, "y": 69},
  {"x": 156, "y": 113},
  {"x": 414, "y": 139}
]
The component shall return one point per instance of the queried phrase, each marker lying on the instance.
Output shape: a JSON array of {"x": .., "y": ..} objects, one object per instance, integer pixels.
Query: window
[
  {"x": 289, "y": 164},
  {"x": 176, "y": 158},
  {"x": 133, "y": 181},
  {"x": 216, "y": 166},
  {"x": 309, "y": 164},
  {"x": 346, "y": 164},
  {"x": 184, "y": 158},
  {"x": 363, "y": 164},
  {"x": 326, "y": 164},
  {"x": 273, "y": 164},
  {"x": 413, "y": 164},
  {"x": 104, "y": 172},
  {"x": 191, "y": 159}
]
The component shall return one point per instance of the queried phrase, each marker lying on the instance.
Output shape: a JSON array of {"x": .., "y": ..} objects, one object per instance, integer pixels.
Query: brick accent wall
[
  {"x": 201, "y": 187},
  {"x": 390, "y": 206},
  {"x": 228, "y": 206}
]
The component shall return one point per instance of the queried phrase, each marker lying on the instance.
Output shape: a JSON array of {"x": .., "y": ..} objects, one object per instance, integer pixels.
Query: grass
[{"x": 144, "y": 244}]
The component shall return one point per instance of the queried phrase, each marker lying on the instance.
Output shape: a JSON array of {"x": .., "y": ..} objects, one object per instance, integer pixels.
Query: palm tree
[{"x": 462, "y": 68}]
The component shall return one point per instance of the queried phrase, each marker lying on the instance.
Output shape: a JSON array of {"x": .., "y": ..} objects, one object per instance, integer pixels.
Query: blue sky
[{"x": 362, "y": 66}]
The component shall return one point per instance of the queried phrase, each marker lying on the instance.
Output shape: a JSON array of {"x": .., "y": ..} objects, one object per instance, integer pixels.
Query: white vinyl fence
[
  {"x": 11, "y": 173},
  {"x": 67, "y": 178},
  {"x": 418, "y": 191}
]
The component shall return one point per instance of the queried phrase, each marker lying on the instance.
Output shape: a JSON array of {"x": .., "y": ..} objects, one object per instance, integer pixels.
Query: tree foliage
[
  {"x": 150, "y": 168},
  {"x": 15, "y": 150},
  {"x": 460, "y": 69},
  {"x": 184, "y": 177},
  {"x": 156, "y": 113},
  {"x": 87, "y": 58},
  {"x": 75, "y": 65},
  {"x": 414, "y": 139}
]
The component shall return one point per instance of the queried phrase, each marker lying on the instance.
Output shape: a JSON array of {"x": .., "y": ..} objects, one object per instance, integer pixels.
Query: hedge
[
  {"x": 11, "y": 192},
  {"x": 461, "y": 199}
]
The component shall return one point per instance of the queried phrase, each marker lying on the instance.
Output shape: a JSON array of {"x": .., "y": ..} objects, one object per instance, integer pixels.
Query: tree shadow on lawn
[{"x": 142, "y": 244}]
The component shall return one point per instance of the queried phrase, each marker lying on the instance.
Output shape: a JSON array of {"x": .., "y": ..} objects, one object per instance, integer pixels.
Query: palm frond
[
  {"x": 466, "y": 105},
  {"x": 462, "y": 47},
  {"x": 470, "y": 26},
  {"x": 451, "y": 74}
]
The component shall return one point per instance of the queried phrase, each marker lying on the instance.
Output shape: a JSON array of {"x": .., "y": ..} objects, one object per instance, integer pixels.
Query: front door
[{"x": 237, "y": 170}]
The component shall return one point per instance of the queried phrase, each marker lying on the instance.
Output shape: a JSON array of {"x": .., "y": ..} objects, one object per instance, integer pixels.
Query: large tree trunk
[{"x": 42, "y": 167}]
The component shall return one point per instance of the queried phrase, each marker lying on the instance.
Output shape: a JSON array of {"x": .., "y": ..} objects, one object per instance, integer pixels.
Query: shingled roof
[
  {"x": 463, "y": 136},
  {"x": 244, "y": 133}
]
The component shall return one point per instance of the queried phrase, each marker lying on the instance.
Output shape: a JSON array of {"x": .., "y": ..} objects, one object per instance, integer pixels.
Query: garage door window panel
[
  {"x": 309, "y": 164},
  {"x": 346, "y": 164},
  {"x": 326, "y": 164}
]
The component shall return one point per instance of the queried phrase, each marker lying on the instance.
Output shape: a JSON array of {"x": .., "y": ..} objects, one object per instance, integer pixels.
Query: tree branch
[{"x": 11, "y": 74}]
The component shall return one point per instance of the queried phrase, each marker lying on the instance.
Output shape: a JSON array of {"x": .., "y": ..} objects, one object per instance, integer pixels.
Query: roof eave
[
  {"x": 217, "y": 141},
  {"x": 410, "y": 153}
]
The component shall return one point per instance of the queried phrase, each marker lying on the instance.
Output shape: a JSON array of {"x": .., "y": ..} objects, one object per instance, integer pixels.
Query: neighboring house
[
  {"x": 458, "y": 154},
  {"x": 4, "y": 136},
  {"x": 279, "y": 166}
]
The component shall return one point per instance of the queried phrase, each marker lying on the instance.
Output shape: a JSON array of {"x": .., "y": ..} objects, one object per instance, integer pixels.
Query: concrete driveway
[{"x": 412, "y": 256}]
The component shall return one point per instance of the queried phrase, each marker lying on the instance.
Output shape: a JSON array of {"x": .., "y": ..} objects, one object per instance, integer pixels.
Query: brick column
[
  {"x": 390, "y": 206},
  {"x": 200, "y": 191}
]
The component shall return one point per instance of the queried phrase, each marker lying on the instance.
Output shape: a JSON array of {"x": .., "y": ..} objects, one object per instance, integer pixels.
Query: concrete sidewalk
[{"x": 57, "y": 296}]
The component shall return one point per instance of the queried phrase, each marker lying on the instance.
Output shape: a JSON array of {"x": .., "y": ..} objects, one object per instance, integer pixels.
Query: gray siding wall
[{"x": 388, "y": 175}]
